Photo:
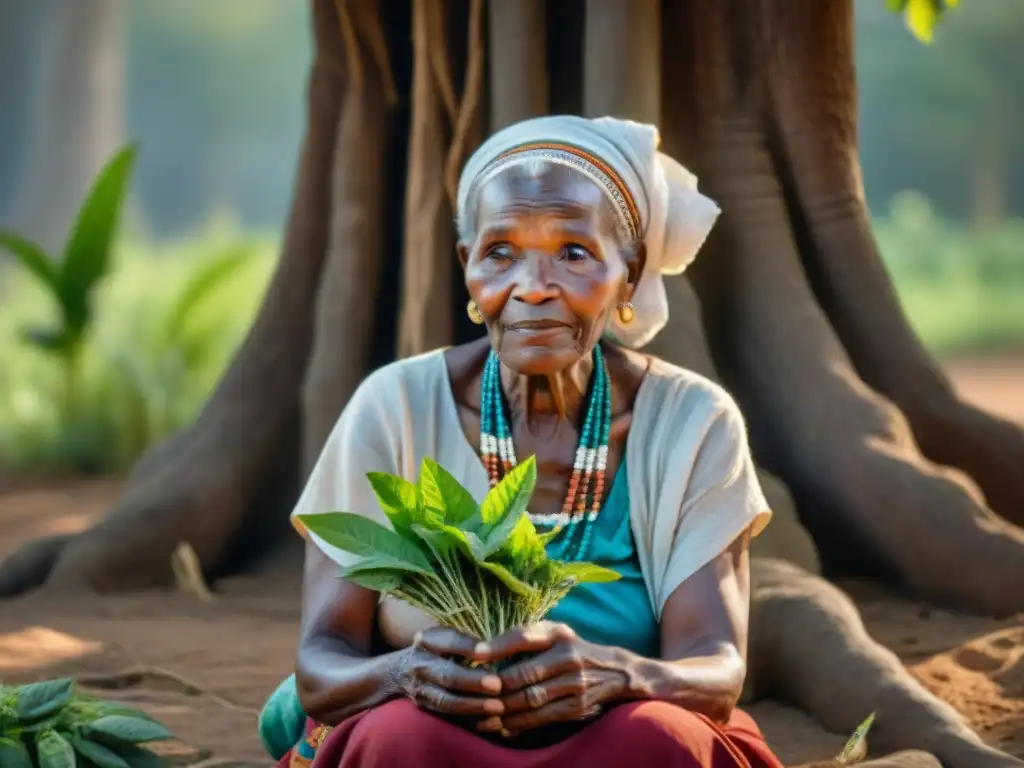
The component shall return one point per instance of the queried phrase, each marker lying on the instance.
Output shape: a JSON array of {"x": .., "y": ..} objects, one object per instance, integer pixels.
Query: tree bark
[
  {"x": 347, "y": 292},
  {"x": 862, "y": 487},
  {"x": 78, "y": 116},
  {"x": 814, "y": 127}
]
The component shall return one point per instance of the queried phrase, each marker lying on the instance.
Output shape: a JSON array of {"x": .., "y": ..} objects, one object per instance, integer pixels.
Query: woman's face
[{"x": 546, "y": 266}]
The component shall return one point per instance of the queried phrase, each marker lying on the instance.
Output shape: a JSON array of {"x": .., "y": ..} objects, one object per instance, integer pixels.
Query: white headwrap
[{"x": 655, "y": 197}]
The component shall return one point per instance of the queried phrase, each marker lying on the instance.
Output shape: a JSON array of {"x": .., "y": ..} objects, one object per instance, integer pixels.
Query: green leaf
[
  {"x": 33, "y": 258},
  {"x": 524, "y": 547},
  {"x": 506, "y": 503},
  {"x": 126, "y": 730},
  {"x": 439, "y": 490},
  {"x": 587, "y": 573},
  {"x": 40, "y": 700},
  {"x": 381, "y": 563},
  {"x": 87, "y": 255},
  {"x": 509, "y": 579},
  {"x": 101, "y": 756},
  {"x": 547, "y": 538},
  {"x": 364, "y": 537},
  {"x": 921, "y": 16},
  {"x": 54, "y": 751},
  {"x": 444, "y": 538},
  {"x": 13, "y": 754},
  {"x": 200, "y": 285},
  {"x": 140, "y": 757},
  {"x": 397, "y": 497},
  {"x": 856, "y": 748},
  {"x": 377, "y": 580},
  {"x": 46, "y": 339}
]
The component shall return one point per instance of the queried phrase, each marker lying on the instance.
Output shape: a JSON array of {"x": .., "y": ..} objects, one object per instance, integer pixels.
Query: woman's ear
[
  {"x": 635, "y": 265},
  {"x": 462, "y": 248}
]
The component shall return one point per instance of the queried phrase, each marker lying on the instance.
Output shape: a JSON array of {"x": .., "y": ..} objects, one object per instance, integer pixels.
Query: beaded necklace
[{"x": 586, "y": 488}]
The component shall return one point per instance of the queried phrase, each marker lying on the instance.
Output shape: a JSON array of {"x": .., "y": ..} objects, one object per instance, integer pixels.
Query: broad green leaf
[
  {"x": 509, "y": 579},
  {"x": 587, "y": 573},
  {"x": 364, "y": 537},
  {"x": 54, "y": 751},
  {"x": 397, "y": 497},
  {"x": 99, "y": 755},
  {"x": 549, "y": 536},
  {"x": 506, "y": 504},
  {"x": 524, "y": 548},
  {"x": 439, "y": 490},
  {"x": 40, "y": 700},
  {"x": 125, "y": 730},
  {"x": 140, "y": 757},
  {"x": 87, "y": 256},
  {"x": 32, "y": 258},
  {"x": 377, "y": 580},
  {"x": 13, "y": 754},
  {"x": 444, "y": 538}
]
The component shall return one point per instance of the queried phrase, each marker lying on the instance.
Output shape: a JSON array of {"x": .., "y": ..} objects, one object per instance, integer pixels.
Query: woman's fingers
[
  {"x": 561, "y": 660},
  {"x": 533, "y": 639},
  {"x": 534, "y": 697},
  {"x": 442, "y": 641},
  {"x": 455, "y": 677},
  {"x": 441, "y": 700},
  {"x": 572, "y": 709}
]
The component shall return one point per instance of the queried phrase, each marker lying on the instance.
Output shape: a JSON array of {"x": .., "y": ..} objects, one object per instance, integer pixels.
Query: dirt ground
[{"x": 204, "y": 670}]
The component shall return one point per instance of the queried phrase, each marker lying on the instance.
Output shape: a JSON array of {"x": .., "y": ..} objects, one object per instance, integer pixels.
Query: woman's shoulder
[
  {"x": 672, "y": 391},
  {"x": 409, "y": 374}
]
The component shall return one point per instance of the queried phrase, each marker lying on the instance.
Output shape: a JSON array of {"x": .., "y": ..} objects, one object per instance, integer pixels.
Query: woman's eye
[
  {"x": 575, "y": 252},
  {"x": 499, "y": 252}
]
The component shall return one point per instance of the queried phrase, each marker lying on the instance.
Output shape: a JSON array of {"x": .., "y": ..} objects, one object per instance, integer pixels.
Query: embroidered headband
[{"x": 578, "y": 160}]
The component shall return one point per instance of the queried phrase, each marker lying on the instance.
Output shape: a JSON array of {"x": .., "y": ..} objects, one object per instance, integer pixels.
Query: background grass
[{"x": 166, "y": 329}]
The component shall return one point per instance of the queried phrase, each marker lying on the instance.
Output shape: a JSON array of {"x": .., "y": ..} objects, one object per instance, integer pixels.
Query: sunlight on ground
[{"x": 36, "y": 647}]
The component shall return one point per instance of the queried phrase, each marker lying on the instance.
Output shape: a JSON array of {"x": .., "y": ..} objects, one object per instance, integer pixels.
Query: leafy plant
[
  {"x": 479, "y": 568},
  {"x": 72, "y": 280},
  {"x": 856, "y": 747},
  {"x": 46, "y": 725}
]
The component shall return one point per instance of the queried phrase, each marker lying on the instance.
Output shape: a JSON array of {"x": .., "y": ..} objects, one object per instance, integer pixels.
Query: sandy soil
[{"x": 204, "y": 670}]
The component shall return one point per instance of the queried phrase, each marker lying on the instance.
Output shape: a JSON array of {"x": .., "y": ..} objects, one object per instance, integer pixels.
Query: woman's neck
[{"x": 540, "y": 399}]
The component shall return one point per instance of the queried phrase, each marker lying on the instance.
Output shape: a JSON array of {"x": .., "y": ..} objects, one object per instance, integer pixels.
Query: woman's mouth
[{"x": 537, "y": 326}]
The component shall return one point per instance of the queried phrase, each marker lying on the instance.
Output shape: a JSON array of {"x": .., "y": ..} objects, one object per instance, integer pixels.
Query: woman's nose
[{"x": 534, "y": 283}]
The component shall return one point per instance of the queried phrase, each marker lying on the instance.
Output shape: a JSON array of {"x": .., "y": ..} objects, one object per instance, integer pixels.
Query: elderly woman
[{"x": 566, "y": 226}]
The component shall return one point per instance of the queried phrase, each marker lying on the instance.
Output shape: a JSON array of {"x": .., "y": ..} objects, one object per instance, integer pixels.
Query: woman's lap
[{"x": 642, "y": 733}]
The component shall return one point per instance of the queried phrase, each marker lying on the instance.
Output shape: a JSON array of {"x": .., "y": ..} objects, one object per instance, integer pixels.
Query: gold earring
[
  {"x": 626, "y": 313},
  {"x": 474, "y": 313}
]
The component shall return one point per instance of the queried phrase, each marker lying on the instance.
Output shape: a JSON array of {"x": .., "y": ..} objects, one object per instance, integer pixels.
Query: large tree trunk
[
  {"x": 787, "y": 307},
  {"x": 78, "y": 116}
]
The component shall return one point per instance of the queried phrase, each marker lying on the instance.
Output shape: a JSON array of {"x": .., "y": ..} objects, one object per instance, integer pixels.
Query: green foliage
[
  {"x": 921, "y": 16},
  {"x": 167, "y": 320},
  {"x": 962, "y": 289},
  {"x": 46, "y": 725},
  {"x": 856, "y": 748},
  {"x": 481, "y": 569},
  {"x": 72, "y": 281}
]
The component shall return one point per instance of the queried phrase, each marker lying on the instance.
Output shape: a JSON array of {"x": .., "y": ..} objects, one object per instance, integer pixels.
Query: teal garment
[{"x": 618, "y": 613}]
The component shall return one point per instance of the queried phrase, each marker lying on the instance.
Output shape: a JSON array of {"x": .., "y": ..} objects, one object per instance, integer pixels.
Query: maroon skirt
[{"x": 637, "y": 734}]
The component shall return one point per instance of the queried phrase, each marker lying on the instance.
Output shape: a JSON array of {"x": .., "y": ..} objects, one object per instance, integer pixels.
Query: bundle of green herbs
[
  {"x": 48, "y": 725},
  {"x": 481, "y": 569}
]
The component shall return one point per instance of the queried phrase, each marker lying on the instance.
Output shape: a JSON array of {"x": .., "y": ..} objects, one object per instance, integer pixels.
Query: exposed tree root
[{"x": 809, "y": 648}]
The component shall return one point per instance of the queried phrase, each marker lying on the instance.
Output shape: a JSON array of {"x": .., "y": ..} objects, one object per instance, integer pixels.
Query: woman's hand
[
  {"x": 429, "y": 676},
  {"x": 568, "y": 680}
]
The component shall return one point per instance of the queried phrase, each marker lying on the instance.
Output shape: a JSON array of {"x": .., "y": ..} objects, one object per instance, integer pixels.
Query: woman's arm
[
  {"x": 337, "y": 677},
  {"x": 703, "y": 639}
]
